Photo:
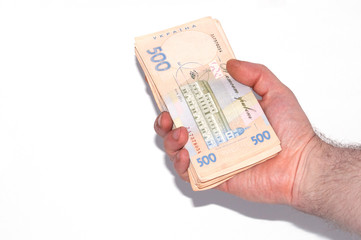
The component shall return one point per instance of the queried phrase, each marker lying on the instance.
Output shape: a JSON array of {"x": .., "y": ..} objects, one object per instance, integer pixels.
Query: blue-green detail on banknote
[{"x": 208, "y": 115}]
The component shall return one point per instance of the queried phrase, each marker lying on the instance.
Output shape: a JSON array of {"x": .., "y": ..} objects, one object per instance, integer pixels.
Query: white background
[{"x": 79, "y": 158}]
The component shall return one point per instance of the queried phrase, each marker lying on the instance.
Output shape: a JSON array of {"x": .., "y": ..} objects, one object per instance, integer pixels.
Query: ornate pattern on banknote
[{"x": 208, "y": 115}]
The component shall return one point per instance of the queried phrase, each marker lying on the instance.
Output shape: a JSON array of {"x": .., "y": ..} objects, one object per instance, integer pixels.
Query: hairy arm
[
  {"x": 328, "y": 183},
  {"x": 310, "y": 173}
]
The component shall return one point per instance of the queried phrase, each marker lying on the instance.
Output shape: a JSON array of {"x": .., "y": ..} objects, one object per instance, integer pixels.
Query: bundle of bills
[{"x": 186, "y": 70}]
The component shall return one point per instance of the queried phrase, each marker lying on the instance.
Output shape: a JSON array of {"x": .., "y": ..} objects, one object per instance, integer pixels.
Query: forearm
[{"x": 328, "y": 183}]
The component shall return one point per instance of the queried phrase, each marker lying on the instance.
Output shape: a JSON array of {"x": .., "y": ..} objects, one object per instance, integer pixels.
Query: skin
[
  {"x": 272, "y": 181},
  {"x": 302, "y": 175}
]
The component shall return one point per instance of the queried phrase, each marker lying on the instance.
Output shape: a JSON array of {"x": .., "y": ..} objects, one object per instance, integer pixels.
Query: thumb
[{"x": 256, "y": 76}]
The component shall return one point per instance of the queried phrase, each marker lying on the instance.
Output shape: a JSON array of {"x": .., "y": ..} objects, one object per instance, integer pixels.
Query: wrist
[
  {"x": 327, "y": 183},
  {"x": 310, "y": 168}
]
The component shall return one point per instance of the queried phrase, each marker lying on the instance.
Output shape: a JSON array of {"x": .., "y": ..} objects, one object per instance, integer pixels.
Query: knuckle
[{"x": 263, "y": 68}]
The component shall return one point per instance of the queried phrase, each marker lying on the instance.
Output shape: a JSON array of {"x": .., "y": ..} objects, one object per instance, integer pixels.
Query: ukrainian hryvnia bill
[{"x": 186, "y": 69}]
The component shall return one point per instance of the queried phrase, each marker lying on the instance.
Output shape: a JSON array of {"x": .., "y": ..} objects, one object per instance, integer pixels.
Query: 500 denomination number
[
  {"x": 205, "y": 160},
  {"x": 159, "y": 58},
  {"x": 261, "y": 137}
]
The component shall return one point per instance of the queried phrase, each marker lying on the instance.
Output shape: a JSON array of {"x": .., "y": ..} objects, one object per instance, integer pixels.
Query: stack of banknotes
[{"x": 186, "y": 70}]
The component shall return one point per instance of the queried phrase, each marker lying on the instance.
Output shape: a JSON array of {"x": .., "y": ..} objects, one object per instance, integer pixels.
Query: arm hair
[{"x": 331, "y": 183}]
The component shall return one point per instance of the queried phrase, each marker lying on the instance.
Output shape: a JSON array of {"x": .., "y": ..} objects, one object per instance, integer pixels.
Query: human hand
[{"x": 274, "y": 180}]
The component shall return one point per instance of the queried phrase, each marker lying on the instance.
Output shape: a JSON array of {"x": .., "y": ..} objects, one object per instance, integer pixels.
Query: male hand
[{"x": 274, "y": 180}]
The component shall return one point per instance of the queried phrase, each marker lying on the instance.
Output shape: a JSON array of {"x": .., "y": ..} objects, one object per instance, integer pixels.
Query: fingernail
[
  {"x": 159, "y": 120},
  {"x": 176, "y": 134}
]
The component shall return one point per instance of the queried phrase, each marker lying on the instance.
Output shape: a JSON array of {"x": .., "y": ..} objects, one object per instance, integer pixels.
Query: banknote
[{"x": 186, "y": 70}]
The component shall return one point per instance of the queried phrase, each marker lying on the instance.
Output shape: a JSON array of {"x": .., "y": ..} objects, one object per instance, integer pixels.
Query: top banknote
[{"x": 186, "y": 69}]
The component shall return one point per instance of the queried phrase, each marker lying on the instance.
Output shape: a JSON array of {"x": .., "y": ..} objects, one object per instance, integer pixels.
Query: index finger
[{"x": 163, "y": 124}]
